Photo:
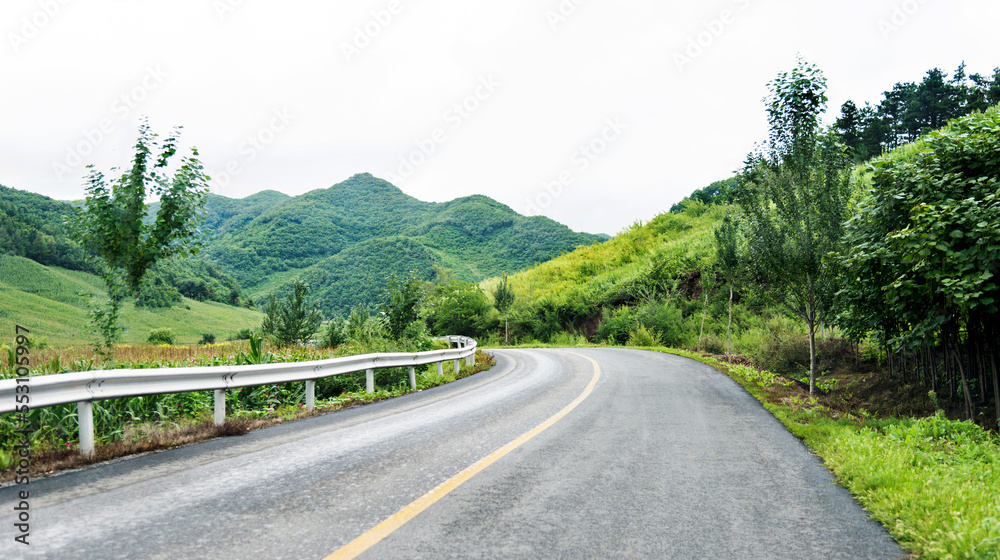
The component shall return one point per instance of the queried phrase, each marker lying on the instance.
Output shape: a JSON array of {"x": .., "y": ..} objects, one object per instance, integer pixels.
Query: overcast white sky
[{"x": 508, "y": 98}]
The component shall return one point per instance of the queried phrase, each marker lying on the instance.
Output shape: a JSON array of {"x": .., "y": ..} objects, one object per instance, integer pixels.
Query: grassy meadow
[{"x": 47, "y": 301}]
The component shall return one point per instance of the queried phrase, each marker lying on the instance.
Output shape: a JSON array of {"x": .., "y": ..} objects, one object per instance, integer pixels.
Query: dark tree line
[{"x": 912, "y": 109}]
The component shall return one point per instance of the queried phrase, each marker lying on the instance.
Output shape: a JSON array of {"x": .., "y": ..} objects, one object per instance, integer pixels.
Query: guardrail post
[
  {"x": 85, "y": 418},
  {"x": 413, "y": 378},
  {"x": 220, "y": 407},
  {"x": 457, "y": 362},
  {"x": 370, "y": 381},
  {"x": 440, "y": 368},
  {"x": 311, "y": 394}
]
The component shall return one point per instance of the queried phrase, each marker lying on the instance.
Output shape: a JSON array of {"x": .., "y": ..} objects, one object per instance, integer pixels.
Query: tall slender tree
[
  {"x": 503, "y": 299},
  {"x": 112, "y": 224},
  {"x": 727, "y": 251},
  {"x": 794, "y": 200}
]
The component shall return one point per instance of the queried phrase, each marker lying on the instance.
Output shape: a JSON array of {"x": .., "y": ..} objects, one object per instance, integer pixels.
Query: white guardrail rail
[{"x": 85, "y": 387}]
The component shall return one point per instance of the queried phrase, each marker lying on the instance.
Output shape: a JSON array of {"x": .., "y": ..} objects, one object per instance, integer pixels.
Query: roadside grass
[
  {"x": 933, "y": 483},
  {"x": 193, "y": 422}
]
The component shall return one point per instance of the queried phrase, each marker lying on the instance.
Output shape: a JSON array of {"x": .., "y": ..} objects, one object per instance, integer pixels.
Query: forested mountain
[
  {"x": 346, "y": 240},
  {"x": 33, "y": 226}
]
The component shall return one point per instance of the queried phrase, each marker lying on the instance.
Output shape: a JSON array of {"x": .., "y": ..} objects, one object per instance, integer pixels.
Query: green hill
[
  {"x": 47, "y": 300},
  {"x": 649, "y": 274},
  {"x": 346, "y": 240}
]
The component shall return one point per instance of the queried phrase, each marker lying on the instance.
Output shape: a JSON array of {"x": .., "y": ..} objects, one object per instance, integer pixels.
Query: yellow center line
[{"x": 374, "y": 535}]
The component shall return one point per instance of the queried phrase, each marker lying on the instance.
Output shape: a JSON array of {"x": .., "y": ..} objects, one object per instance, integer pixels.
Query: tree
[
  {"x": 291, "y": 321},
  {"x": 459, "y": 308},
  {"x": 503, "y": 299},
  {"x": 112, "y": 224},
  {"x": 794, "y": 200},
  {"x": 727, "y": 251},
  {"x": 401, "y": 302}
]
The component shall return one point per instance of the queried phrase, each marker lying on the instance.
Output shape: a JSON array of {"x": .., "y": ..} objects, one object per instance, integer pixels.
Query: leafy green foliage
[
  {"x": 921, "y": 254},
  {"x": 161, "y": 336},
  {"x": 157, "y": 292},
  {"x": 33, "y": 226},
  {"x": 795, "y": 200},
  {"x": 458, "y": 307},
  {"x": 720, "y": 192},
  {"x": 335, "y": 333},
  {"x": 111, "y": 223},
  {"x": 292, "y": 320},
  {"x": 503, "y": 300},
  {"x": 402, "y": 301}
]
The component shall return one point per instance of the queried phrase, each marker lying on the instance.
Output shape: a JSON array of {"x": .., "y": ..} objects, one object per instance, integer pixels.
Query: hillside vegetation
[
  {"x": 346, "y": 241},
  {"x": 912, "y": 307},
  {"x": 47, "y": 300}
]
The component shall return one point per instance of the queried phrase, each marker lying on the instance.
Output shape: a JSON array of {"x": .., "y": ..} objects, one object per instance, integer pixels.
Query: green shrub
[
  {"x": 616, "y": 327},
  {"x": 161, "y": 336},
  {"x": 207, "y": 338},
  {"x": 664, "y": 320},
  {"x": 243, "y": 334},
  {"x": 155, "y": 292},
  {"x": 641, "y": 336},
  {"x": 713, "y": 344},
  {"x": 335, "y": 333}
]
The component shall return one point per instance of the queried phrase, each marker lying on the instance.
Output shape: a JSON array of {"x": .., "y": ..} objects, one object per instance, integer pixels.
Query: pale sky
[{"x": 596, "y": 113}]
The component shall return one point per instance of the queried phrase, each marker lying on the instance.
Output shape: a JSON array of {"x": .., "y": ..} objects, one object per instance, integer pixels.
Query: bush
[
  {"x": 196, "y": 289},
  {"x": 207, "y": 338},
  {"x": 615, "y": 329},
  {"x": 155, "y": 292},
  {"x": 243, "y": 334},
  {"x": 335, "y": 333},
  {"x": 713, "y": 344},
  {"x": 161, "y": 336},
  {"x": 641, "y": 336},
  {"x": 664, "y": 320}
]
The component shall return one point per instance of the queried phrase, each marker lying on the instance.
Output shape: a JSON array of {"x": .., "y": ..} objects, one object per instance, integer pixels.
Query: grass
[
  {"x": 934, "y": 483},
  {"x": 46, "y": 300}
]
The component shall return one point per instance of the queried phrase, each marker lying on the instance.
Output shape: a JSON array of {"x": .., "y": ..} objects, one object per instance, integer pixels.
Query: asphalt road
[{"x": 665, "y": 458}]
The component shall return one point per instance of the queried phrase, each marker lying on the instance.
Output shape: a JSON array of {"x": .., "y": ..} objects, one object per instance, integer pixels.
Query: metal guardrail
[{"x": 85, "y": 387}]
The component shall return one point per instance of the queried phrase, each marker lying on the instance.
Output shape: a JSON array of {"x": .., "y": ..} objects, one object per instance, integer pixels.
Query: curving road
[{"x": 646, "y": 456}]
